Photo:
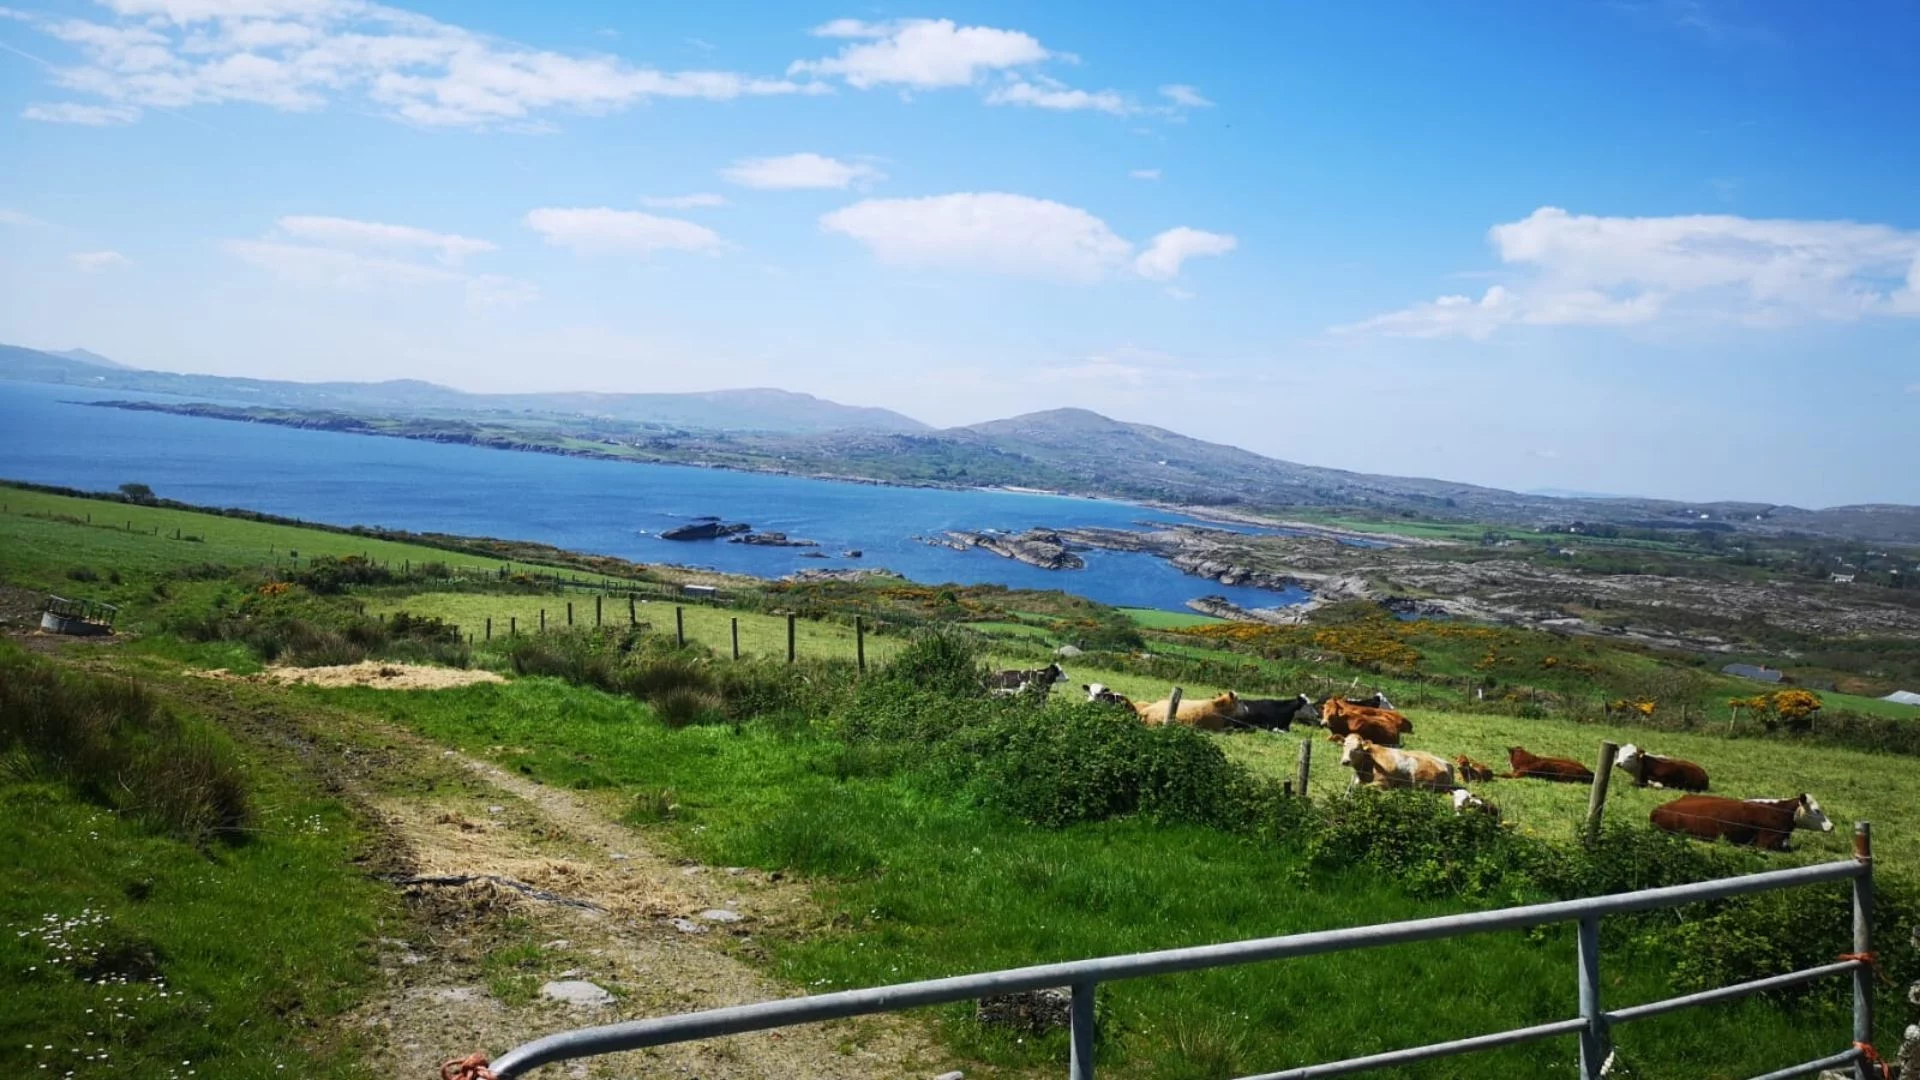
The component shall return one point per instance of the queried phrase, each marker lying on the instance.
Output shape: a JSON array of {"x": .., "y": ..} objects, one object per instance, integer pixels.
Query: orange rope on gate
[
  {"x": 1871, "y": 1058},
  {"x": 471, "y": 1067},
  {"x": 1871, "y": 959}
]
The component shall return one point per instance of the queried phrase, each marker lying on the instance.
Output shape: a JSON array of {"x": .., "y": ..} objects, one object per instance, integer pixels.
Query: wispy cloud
[
  {"x": 920, "y": 54},
  {"x": 603, "y": 231},
  {"x": 699, "y": 201},
  {"x": 792, "y": 172},
  {"x": 372, "y": 257},
  {"x": 1044, "y": 93},
  {"x": 67, "y": 112},
  {"x": 449, "y": 248},
  {"x": 1144, "y": 174},
  {"x": 1584, "y": 270},
  {"x": 19, "y": 219},
  {"x": 302, "y": 55},
  {"x": 1184, "y": 96},
  {"x": 94, "y": 262},
  {"x": 1017, "y": 235}
]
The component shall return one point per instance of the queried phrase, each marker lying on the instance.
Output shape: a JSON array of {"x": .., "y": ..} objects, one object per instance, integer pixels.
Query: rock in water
[
  {"x": 578, "y": 993},
  {"x": 1043, "y": 548},
  {"x": 705, "y": 529}
]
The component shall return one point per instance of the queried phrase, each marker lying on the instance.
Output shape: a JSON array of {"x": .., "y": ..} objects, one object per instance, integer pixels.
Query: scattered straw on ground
[{"x": 377, "y": 673}]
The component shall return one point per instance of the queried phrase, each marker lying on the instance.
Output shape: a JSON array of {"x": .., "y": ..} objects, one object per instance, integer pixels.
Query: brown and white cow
[
  {"x": 1649, "y": 770},
  {"x": 1466, "y": 802},
  {"x": 1206, "y": 714},
  {"x": 1764, "y": 823},
  {"x": 1386, "y": 767},
  {"x": 1473, "y": 772},
  {"x": 1526, "y": 765},
  {"x": 1343, "y": 718},
  {"x": 1097, "y": 693}
]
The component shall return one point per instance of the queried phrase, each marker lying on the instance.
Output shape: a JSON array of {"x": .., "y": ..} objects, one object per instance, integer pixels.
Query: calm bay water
[{"x": 605, "y": 507}]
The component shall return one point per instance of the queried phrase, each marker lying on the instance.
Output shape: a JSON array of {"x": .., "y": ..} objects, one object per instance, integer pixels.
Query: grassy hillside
[{"x": 937, "y": 830}]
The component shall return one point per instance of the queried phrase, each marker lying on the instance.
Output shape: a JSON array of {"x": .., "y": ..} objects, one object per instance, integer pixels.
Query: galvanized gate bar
[
  {"x": 1434, "y": 1050},
  {"x": 637, "y": 1034},
  {"x": 1846, "y": 1057},
  {"x": 1728, "y": 993}
]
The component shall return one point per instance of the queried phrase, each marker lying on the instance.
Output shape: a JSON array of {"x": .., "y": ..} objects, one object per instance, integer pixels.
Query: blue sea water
[{"x": 605, "y": 507}]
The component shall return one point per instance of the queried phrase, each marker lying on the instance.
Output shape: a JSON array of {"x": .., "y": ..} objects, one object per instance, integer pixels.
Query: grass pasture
[{"x": 915, "y": 883}]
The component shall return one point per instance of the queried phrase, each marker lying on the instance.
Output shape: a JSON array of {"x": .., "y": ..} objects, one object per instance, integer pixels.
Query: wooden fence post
[
  {"x": 1173, "y": 705},
  {"x": 543, "y": 620},
  {"x": 1306, "y": 765},
  {"x": 1597, "y": 799},
  {"x": 632, "y": 618},
  {"x": 790, "y": 656},
  {"x": 736, "y": 636},
  {"x": 513, "y": 626},
  {"x": 569, "y": 613},
  {"x": 596, "y": 611},
  {"x": 679, "y": 624},
  {"x": 489, "y": 628},
  {"x": 860, "y": 643}
]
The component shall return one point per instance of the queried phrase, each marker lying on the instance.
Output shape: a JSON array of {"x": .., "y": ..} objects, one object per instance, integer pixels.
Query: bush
[
  {"x": 82, "y": 573},
  {"x": 940, "y": 661},
  {"x": 115, "y": 745},
  {"x": 681, "y": 706},
  {"x": 1077, "y": 763}
]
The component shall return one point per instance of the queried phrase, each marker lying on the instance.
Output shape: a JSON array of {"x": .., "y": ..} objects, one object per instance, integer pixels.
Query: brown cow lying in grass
[
  {"x": 1385, "y": 767},
  {"x": 1343, "y": 718},
  {"x": 1526, "y": 765},
  {"x": 1648, "y": 770},
  {"x": 1473, "y": 772},
  {"x": 1206, "y": 714},
  {"x": 1764, "y": 823}
]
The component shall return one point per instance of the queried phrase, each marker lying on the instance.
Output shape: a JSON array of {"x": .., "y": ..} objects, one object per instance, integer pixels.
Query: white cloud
[
  {"x": 1048, "y": 94},
  {"x": 20, "y": 219},
  {"x": 1585, "y": 270},
  {"x": 921, "y": 54},
  {"x": 1010, "y": 234},
  {"x": 698, "y": 201},
  {"x": 602, "y": 231},
  {"x": 1179, "y": 293},
  {"x": 799, "y": 171},
  {"x": 1164, "y": 256},
  {"x": 67, "y": 112},
  {"x": 1144, "y": 174},
  {"x": 330, "y": 252},
  {"x": 991, "y": 231},
  {"x": 94, "y": 262},
  {"x": 346, "y": 232},
  {"x": 301, "y": 55},
  {"x": 1184, "y": 96}
]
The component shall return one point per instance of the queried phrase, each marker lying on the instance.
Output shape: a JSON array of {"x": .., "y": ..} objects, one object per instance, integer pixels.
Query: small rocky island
[
  {"x": 1043, "y": 548},
  {"x": 706, "y": 528},
  {"x": 772, "y": 539}
]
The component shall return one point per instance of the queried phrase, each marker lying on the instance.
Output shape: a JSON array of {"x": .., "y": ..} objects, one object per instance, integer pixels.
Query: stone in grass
[
  {"x": 686, "y": 926},
  {"x": 578, "y": 993},
  {"x": 721, "y": 915},
  {"x": 1034, "y": 1012}
]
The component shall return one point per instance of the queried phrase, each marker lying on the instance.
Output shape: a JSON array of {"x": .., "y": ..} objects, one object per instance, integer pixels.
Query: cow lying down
[
  {"x": 1206, "y": 714},
  {"x": 1648, "y": 770},
  {"x": 1764, "y": 823},
  {"x": 1387, "y": 767}
]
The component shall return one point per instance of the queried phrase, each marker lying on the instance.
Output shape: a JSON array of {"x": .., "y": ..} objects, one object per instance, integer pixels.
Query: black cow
[
  {"x": 1272, "y": 714},
  {"x": 1013, "y": 681}
]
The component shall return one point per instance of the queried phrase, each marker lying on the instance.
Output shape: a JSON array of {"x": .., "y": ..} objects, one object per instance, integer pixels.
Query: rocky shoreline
[{"x": 1044, "y": 548}]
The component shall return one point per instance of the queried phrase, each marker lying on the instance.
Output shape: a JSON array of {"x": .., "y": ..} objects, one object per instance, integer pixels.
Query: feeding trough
[{"x": 81, "y": 617}]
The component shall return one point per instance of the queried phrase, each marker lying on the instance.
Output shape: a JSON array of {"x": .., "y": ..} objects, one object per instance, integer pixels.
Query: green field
[
  {"x": 1155, "y": 619},
  {"x": 913, "y": 866}
]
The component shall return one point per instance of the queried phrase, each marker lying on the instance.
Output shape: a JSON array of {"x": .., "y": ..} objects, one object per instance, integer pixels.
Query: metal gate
[{"x": 1593, "y": 1025}]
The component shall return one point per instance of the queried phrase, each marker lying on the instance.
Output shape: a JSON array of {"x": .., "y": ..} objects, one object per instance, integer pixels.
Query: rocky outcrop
[
  {"x": 772, "y": 539},
  {"x": 1222, "y": 608},
  {"x": 705, "y": 529},
  {"x": 1043, "y": 548},
  {"x": 874, "y": 573},
  {"x": 1203, "y": 565}
]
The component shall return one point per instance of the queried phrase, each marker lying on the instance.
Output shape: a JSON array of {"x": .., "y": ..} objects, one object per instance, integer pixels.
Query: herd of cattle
[{"x": 1370, "y": 731}]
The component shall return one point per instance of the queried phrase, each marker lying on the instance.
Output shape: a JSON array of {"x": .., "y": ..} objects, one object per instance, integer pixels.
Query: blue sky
[{"x": 1661, "y": 247}]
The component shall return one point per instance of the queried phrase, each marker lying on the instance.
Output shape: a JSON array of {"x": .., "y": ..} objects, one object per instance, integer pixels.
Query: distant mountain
[
  {"x": 88, "y": 356},
  {"x": 1071, "y": 450},
  {"x": 777, "y": 411}
]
